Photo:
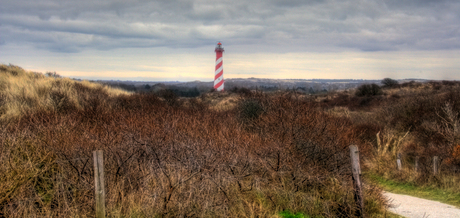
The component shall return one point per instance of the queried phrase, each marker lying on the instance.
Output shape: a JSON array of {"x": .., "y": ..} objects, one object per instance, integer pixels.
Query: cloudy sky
[{"x": 175, "y": 39}]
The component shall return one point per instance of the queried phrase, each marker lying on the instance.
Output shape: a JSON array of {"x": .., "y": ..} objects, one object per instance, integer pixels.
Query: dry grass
[
  {"x": 220, "y": 101},
  {"x": 265, "y": 155},
  {"x": 242, "y": 154},
  {"x": 23, "y": 92}
]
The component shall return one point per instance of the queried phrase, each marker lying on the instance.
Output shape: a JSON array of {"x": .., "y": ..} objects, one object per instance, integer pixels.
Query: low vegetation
[
  {"x": 413, "y": 120},
  {"x": 23, "y": 93},
  {"x": 431, "y": 192},
  {"x": 234, "y": 154}
]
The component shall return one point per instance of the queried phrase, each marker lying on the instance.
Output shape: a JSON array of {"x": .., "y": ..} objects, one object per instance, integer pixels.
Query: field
[{"x": 232, "y": 154}]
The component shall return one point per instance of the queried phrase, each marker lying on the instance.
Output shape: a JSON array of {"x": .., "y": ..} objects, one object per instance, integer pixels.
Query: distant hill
[{"x": 304, "y": 85}]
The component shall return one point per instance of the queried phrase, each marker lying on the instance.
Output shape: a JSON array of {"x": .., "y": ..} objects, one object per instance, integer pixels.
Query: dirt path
[{"x": 413, "y": 207}]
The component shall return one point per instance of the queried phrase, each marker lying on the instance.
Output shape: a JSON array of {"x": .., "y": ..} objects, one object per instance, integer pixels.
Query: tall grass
[
  {"x": 257, "y": 159},
  {"x": 23, "y": 92}
]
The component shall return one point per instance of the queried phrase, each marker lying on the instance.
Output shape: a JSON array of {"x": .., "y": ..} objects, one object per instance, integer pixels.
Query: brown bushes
[
  {"x": 415, "y": 120},
  {"x": 170, "y": 157},
  {"x": 166, "y": 160}
]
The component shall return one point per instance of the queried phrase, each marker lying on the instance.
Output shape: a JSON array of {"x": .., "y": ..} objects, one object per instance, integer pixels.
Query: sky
[{"x": 174, "y": 40}]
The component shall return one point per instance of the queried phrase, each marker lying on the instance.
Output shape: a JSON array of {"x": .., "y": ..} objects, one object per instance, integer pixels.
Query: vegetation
[
  {"x": 416, "y": 120},
  {"x": 368, "y": 90},
  {"x": 408, "y": 188},
  {"x": 289, "y": 214},
  {"x": 389, "y": 83},
  {"x": 238, "y": 154},
  {"x": 24, "y": 93},
  {"x": 173, "y": 159}
]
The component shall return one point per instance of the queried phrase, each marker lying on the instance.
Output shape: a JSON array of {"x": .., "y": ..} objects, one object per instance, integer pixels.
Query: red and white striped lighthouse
[{"x": 219, "y": 75}]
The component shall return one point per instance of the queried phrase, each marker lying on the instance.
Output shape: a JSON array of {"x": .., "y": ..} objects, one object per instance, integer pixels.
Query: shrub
[
  {"x": 242, "y": 91},
  {"x": 411, "y": 84},
  {"x": 389, "y": 83},
  {"x": 249, "y": 110},
  {"x": 52, "y": 74},
  {"x": 182, "y": 161},
  {"x": 368, "y": 90},
  {"x": 169, "y": 96}
]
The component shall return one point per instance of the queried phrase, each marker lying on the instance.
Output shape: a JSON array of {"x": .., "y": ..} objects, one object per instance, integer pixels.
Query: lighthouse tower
[{"x": 219, "y": 75}]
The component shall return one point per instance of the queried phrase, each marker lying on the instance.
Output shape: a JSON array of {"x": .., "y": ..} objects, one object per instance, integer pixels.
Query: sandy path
[{"x": 413, "y": 207}]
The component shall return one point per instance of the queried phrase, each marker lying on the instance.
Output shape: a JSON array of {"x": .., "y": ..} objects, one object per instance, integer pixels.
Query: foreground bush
[{"x": 164, "y": 160}]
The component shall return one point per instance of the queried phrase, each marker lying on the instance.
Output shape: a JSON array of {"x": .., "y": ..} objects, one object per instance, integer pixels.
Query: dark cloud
[{"x": 280, "y": 25}]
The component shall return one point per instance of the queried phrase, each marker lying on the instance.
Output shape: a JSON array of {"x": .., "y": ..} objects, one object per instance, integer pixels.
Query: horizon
[{"x": 148, "y": 80}]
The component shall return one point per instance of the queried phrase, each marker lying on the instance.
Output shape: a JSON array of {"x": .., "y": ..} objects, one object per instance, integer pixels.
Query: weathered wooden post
[
  {"x": 416, "y": 167},
  {"x": 99, "y": 183},
  {"x": 398, "y": 162},
  {"x": 435, "y": 165},
  {"x": 356, "y": 175}
]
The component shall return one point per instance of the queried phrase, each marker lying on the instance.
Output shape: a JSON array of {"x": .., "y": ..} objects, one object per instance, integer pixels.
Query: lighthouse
[{"x": 219, "y": 74}]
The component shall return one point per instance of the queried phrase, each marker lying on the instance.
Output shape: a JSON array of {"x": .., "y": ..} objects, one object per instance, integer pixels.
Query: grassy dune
[{"x": 23, "y": 92}]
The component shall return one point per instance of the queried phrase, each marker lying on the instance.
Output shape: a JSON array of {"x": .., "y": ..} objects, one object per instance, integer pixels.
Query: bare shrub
[
  {"x": 368, "y": 90},
  {"x": 164, "y": 160},
  {"x": 390, "y": 83}
]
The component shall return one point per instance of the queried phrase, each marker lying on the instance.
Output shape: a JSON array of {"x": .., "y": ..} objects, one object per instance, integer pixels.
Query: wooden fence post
[
  {"x": 398, "y": 161},
  {"x": 99, "y": 183},
  {"x": 435, "y": 165},
  {"x": 416, "y": 163},
  {"x": 356, "y": 174}
]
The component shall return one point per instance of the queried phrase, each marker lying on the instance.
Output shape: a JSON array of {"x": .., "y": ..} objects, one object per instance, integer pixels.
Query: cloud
[{"x": 274, "y": 25}]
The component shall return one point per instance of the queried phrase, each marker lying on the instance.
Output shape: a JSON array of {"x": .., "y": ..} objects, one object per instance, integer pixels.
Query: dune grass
[{"x": 23, "y": 92}]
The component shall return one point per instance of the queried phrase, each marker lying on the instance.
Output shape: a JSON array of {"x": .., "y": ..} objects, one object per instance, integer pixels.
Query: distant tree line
[{"x": 185, "y": 91}]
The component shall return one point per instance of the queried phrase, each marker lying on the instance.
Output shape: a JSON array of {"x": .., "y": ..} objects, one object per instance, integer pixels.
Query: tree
[
  {"x": 388, "y": 82},
  {"x": 368, "y": 90},
  {"x": 52, "y": 74}
]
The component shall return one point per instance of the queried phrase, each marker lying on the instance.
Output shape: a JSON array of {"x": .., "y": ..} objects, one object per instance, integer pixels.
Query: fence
[
  {"x": 99, "y": 186},
  {"x": 356, "y": 176},
  {"x": 435, "y": 163},
  {"x": 100, "y": 191}
]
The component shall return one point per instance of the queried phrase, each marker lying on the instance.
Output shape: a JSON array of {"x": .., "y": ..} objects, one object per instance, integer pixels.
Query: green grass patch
[
  {"x": 289, "y": 214},
  {"x": 431, "y": 193}
]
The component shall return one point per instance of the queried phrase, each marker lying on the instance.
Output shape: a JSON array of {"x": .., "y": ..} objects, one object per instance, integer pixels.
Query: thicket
[
  {"x": 416, "y": 120},
  {"x": 368, "y": 90},
  {"x": 431, "y": 116},
  {"x": 267, "y": 155}
]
